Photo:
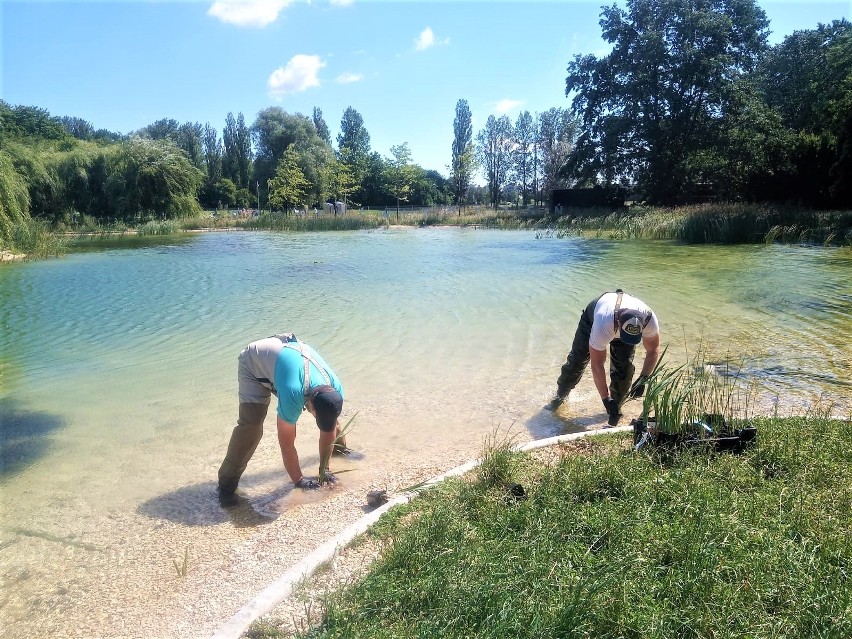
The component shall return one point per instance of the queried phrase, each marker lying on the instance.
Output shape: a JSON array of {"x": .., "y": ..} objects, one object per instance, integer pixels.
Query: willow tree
[
  {"x": 14, "y": 198},
  {"x": 152, "y": 178}
]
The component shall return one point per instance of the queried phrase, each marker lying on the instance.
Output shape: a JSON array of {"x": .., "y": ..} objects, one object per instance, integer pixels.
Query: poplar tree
[{"x": 463, "y": 162}]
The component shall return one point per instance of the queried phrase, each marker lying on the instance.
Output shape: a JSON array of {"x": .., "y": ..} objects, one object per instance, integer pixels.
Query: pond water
[{"x": 119, "y": 366}]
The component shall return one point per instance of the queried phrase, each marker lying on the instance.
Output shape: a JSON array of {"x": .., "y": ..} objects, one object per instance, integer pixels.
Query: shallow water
[{"x": 119, "y": 367}]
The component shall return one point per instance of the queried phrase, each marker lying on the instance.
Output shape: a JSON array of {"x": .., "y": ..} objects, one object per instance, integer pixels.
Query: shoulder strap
[
  {"x": 618, "y": 294},
  {"x": 307, "y": 360}
]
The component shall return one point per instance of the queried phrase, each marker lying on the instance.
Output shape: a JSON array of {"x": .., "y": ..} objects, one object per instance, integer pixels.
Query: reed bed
[
  {"x": 345, "y": 222},
  {"x": 715, "y": 224},
  {"x": 34, "y": 239}
]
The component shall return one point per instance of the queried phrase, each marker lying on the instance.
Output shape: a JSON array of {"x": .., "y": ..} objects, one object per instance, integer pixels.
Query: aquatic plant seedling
[
  {"x": 341, "y": 436},
  {"x": 184, "y": 567},
  {"x": 678, "y": 398}
]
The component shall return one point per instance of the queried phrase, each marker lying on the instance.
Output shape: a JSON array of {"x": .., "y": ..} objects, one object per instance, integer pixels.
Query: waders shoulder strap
[
  {"x": 618, "y": 294},
  {"x": 307, "y": 360}
]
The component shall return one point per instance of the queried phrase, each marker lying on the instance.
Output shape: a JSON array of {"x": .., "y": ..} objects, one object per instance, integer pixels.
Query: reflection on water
[{"x": 121, "y": 365}]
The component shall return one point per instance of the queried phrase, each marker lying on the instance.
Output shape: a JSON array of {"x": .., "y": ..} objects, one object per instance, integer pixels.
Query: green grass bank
[{"x": 614, "y": 543}]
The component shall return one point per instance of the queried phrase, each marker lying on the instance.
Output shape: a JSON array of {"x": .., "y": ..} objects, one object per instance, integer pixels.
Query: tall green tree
[
  {"x": 355, "y": 139},
  {"x": 525, "y": 133},
  {"x": 340, "y": 180},
  {"x": 315, "y": 159},
  {"x": 464, "y": 158},
  {"x": 557, "y": 132},
  {"x": 401, "y": 174},
  {"x": 321, "y": 126},
  {"x": 188, "y": 139},
  {"x": 237, "y": 161},
  {"x": 78, "y": 127},
  {"x": 274, "y": 131},
  {"x": 372, "y": 189},
  {"x": 494, "y": 150},
  {"x": 28, "y": 121},
  {"x": 807, "y": 80},
  {"x": 211, "y": 148},
  {"x": 162, "y": 129},
  {"x": 657, "y": 100},
  {"x": 288, "y": 187}
]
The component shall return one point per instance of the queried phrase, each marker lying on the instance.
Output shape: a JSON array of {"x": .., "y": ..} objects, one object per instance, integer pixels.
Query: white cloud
[
  {"x": 247, "y": 13},
  {"x": 299, "y": 74},
  {"x": 427, "y": 39},
  {"x": 341, "y": 3},
  {"x": 506, "y": 105},
  {"x": 349, "y": 78}
]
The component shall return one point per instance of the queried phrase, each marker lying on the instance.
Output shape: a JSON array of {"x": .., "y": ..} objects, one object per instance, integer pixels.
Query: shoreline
[{"x": 9, "y": 256}]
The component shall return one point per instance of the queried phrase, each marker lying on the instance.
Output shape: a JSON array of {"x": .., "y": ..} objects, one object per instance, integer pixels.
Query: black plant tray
[{"x": 712, "y": 433}]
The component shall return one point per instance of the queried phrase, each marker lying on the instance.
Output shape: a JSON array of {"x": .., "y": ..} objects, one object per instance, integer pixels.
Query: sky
[{"x": 403, "y": 65}]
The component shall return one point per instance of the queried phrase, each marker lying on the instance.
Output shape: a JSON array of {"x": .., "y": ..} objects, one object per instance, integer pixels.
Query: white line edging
[{"x": 283, "y": 587}]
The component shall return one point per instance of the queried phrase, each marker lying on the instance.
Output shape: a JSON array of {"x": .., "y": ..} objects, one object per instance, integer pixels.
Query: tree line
[{"x": 690, "y": 103}]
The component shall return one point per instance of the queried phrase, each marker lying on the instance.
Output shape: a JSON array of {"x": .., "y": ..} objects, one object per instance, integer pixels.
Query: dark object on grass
[
  {"x": 376, "y": 498},
  {"x": 712, "y": 431},
  {"x": 515, "y": 492}
]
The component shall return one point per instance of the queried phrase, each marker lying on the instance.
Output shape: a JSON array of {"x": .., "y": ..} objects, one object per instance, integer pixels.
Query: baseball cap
[
  {"x": 328, "y": 404},
  {"x": 630, "y": 325}
]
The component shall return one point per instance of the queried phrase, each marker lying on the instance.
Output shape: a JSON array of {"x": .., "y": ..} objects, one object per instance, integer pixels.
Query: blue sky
[{"x": 402, "y": 65}]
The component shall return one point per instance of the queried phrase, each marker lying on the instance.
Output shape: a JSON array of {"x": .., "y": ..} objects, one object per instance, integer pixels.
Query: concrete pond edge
[{"x": 283, "y": 587}]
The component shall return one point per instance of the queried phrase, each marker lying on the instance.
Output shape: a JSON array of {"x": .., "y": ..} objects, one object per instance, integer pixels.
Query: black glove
[
  {"x": 638, "y": 387},
  {"x": 611, "y": 407},
  {"x": 307, "y": 483},
  {"x": 341, "y": 450}
]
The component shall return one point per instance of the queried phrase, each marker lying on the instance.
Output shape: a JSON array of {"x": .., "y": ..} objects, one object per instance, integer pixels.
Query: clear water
[{"x": 119, "y": 367}]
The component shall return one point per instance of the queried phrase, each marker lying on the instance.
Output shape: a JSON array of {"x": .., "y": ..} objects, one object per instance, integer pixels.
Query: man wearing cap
[
  {"x": 286, "y": 367},
  {"x": 618, "y": 321}
]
